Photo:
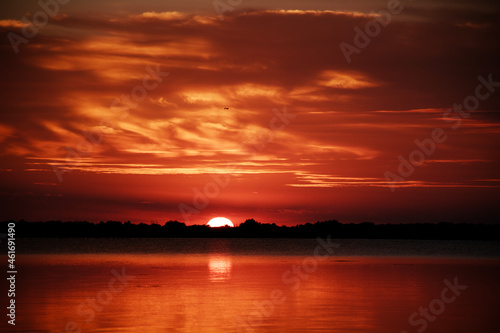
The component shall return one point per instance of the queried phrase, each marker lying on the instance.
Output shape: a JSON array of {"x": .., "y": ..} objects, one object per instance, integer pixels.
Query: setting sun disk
[{"x": 220, "y": 222}]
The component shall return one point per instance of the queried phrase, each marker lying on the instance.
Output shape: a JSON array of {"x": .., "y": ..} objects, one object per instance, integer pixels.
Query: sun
[{"x": 220, "y": 222}]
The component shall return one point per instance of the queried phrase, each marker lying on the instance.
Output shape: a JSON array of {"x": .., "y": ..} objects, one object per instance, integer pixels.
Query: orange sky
[{"x": 117, "y": 111}]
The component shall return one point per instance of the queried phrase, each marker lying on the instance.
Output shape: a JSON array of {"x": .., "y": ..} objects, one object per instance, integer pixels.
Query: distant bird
[{"x": 226, "y": 108}]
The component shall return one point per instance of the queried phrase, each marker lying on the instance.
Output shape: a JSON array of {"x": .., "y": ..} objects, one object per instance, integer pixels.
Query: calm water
[{"x": 252, "y": 285}]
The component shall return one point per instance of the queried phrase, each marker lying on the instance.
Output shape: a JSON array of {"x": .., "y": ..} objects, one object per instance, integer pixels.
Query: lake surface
[{"x": 257, "y": 285}]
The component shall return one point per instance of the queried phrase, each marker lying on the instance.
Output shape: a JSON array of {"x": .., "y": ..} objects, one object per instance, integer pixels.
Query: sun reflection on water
[{"x": 219, "y": 268}]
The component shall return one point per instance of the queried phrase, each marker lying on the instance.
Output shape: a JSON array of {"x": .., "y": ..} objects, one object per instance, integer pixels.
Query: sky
[{"x": 283, "y": 111}]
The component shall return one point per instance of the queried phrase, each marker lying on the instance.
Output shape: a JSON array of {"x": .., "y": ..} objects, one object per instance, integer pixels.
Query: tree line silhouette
[{"x": 253, "y": 229}]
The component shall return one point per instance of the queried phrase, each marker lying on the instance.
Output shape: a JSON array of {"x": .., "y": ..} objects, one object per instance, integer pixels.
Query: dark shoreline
[{"x": 252, "y": 229}]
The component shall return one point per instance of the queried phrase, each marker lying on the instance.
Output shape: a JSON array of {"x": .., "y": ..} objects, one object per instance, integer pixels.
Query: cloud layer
[{"x": 137, "y": 110}]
